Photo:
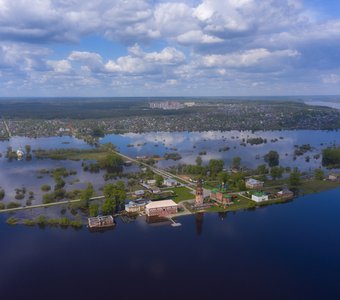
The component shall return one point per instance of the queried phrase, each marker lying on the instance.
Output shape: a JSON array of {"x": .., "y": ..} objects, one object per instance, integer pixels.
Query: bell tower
[{"x": 199, "y": 193}]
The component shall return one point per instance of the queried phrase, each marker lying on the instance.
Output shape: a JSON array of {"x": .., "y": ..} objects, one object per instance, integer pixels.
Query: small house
[
  {"x": 170, "y": 182},
  {"x": 285, "y": 194},
  {"x": 155, "y": 190},
  {"x": 259, "y": 197},
  {"x": 334, "y": 177},
  {"x": 139, "y": 193},
  {"x": 252, "y": 183},
  {"x": 136, "y": 206},
  {"x": 151, "y": 182}
]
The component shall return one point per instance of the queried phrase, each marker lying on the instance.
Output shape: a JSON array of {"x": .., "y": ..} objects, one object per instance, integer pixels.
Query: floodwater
[
  {"x": 190, "y": 144},
  {"x": 287, "y": 251},
  {"x": 16, "y": 174}
]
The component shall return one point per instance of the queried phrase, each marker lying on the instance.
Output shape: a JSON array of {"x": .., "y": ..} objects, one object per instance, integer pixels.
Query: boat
[{"x": 101, "y": 222}]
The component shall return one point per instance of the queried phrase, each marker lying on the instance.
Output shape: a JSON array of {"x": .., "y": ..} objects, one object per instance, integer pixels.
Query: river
[{"x": 287, "y": 251}]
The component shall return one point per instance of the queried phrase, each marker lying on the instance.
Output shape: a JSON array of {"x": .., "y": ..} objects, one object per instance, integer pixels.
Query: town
[{"x": 69, "y": 118}]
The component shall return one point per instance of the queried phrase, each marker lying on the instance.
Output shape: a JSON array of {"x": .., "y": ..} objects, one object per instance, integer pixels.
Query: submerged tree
[{"x": 272, "y": 158}]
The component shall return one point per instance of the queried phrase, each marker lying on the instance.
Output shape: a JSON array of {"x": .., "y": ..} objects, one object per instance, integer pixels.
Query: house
[
  {"x": 139, "y": 193},
  {"x": 259, "y": 197},
  {"x": 155, "y": 190},
  {"x": 170, "y": 182},
  {"x": 136, "y": 206},
  {"x": 151, "y": 182},
  {"x": 252, "y": 183},
  {"x": 334, "y": 177},
  {"x": 285, "y": 194},
  {"x": 220, "y": 196},
  {"x": 161, "y": 208}
]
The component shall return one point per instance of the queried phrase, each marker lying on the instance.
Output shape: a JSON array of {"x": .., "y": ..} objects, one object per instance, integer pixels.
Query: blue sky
[{"x": 169, "y": 48}]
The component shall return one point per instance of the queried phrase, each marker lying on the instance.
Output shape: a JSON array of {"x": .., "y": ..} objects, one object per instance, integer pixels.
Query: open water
[{"x": 287, "y": 251}]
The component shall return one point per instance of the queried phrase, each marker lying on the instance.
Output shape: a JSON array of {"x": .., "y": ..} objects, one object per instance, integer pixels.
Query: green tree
[
  {"x": 115, "y": 195},
  {"x": 113, "y": 163},
  {"x": 159, "y": 180},
  {"x": 28, "y": 149},
  {"x": 109, "y": 206},
  {"x": 276, "y": 172},
  {"x": 295, "y": 177},
  {"x": 319, "y": 174},
  {"x": 262, "y": 169},
  {"x": 199, "y": 161},
  {"x": 222, "y": 177},
  {"x": 45, "y": 187},
  {"x": 86, "y": 195},
  {"x": 272, "y": 158},
  {"x": 2, "y": 193},
  {"x": 215, "y": 166},
  {"x": 236, "y": 163},
  {"x": 93, "y": 210}
]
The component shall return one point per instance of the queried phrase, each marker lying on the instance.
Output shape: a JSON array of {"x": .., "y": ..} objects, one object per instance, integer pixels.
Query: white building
[
  {"x": 252, "y": 183},
  {"x": 259, "y": 197},
  {"x": 170, "y": 182},
  {"x": 151, "y": 182}
]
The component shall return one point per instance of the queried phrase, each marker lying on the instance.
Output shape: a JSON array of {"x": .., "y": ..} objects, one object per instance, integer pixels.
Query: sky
[{"x": 56, "y": 48}]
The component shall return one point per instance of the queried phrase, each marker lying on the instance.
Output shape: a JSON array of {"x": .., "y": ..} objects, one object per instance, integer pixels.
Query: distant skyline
[{"x": 169, "y": 48}]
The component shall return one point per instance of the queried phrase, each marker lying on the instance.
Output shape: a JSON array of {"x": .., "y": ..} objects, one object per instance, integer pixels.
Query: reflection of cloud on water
[{"x": 167, "y": 138}]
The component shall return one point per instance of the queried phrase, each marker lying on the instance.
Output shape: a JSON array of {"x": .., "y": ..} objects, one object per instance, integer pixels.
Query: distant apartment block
[{"x": 166, "y": 105}]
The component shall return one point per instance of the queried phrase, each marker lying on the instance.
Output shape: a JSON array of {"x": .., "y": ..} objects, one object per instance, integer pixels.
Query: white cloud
[
  {"x": 331, "y": 78},
  {"x": 197, "y": 37},
  {"x": 138, "y": 62},
  {"x": 246, "y": 58},
  {"x": 60, "y": 66}
]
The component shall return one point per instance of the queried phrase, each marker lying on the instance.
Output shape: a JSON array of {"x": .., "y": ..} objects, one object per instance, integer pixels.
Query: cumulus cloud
[
  {"x": 164, "y": 44},
  {"x": 138, "y": 61},
  {"x": 60, "y": 66},
  {"x": 247, "y": 58}
]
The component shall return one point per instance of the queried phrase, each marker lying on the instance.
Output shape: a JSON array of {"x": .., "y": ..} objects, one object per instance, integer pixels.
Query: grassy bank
[
  {"x": 181, "y": 194},
  {"x": 72, "y": 154},
  {"x": 317, "y": 186}
]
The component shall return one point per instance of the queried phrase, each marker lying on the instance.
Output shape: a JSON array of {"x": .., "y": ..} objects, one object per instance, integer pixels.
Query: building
[
  {"x": 334, "y": 177},
  {"x": 101, "y": 222},
  {"x": 166, "y": 105},
  {"x": 252, "y": 183},
  {"x": 139, "y": 193},
  {"x": 199, "y": 194},
  {"x": 189, "y": 104},
  {"x": 220, "y": 197},
  {"x": 170, "y": 182},
  {"x": 285, "y": 194},
  {"x": 136, "y": 206},
  {"x": 20, "y": 153},
  {"x": 156, "y": 190},
  {"x": 259, "y": 197},
  {"x": 161, "y": 208},
  {"x": 151, "y": 182}
]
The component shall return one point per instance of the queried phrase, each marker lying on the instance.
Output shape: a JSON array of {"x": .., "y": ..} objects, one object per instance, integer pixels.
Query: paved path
[
  {"x": 161, "y": 172},
  {"x": 7, "y": 128},
  {"x": 47, "y": 205}
]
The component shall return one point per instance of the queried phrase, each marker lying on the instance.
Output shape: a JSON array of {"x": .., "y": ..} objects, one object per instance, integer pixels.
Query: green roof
[
  {"x": 259, "y": 194},
  {"x": 214, "y": 191}
]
